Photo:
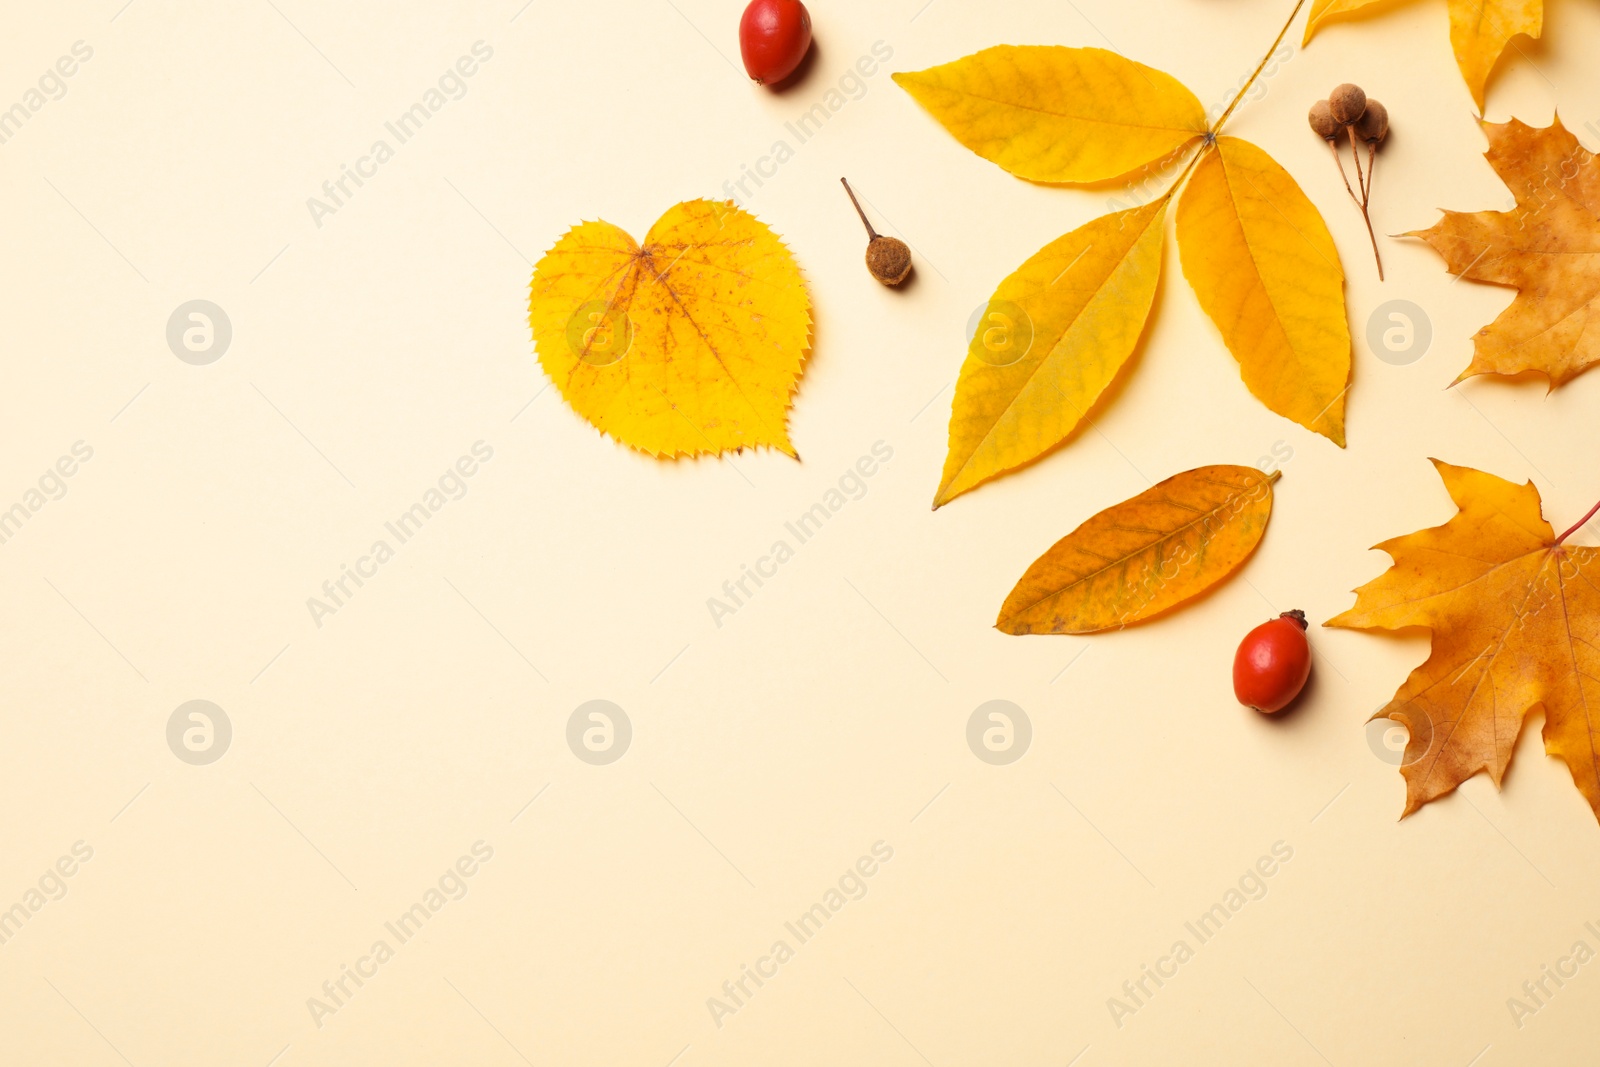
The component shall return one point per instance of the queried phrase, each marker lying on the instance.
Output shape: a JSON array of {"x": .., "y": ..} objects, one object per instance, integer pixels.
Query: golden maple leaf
[
  {"x": 1515, "y": 618},
  {"x": 690, "y": 343},
  {"x": 1547, "y": 248},
  {"x": 1144, "y": 556},
  {"x": 1479, "y": 31}
]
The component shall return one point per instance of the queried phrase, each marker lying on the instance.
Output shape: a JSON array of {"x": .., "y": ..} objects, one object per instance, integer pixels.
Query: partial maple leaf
[
  {"x": 1054, "y": 114},
  {"x": 1263, "y": 265},
  {"x": 1144, "y": 556},
  {"x": 1547, "y": 248},
  {"x": 1515, "y": 618},
  {"x": 690, "y": 343},
  {"x": 1479, "y": 31}
]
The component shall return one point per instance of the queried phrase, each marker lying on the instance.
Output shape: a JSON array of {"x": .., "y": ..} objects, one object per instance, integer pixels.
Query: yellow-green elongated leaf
[
  {"x": 1054, "y": 114},
  {"x": 1260, "y": 258},
  {"x": 1144, "y": 556},
  {"x": 1053, "y": 337}
]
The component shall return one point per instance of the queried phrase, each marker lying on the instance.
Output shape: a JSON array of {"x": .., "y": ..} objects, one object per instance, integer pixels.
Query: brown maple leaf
[
  {"x": 1547, "y": 248},
  {"x": 1515, "y": 618}
]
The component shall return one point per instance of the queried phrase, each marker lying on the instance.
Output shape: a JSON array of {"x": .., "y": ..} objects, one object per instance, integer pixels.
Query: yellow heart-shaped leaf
[{"x": 689, "y": 344}]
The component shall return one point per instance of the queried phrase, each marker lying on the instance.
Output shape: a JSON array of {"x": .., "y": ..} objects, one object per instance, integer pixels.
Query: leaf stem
[
  {"x": 1216, "y": 127},
  {"x": 1194, "y": 159},
  {"x": 1172, "y": 189},
  {"x": 1579, "y": 524},
  {"x": 871, "y": 233},
  {"x": 1209, "y": 143}
]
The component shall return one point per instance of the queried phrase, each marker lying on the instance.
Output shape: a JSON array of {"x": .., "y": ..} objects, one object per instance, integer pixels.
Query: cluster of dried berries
[{"x": 1348, "y": 109}]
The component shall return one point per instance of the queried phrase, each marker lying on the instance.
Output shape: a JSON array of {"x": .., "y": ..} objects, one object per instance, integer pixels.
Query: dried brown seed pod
[
  {"x": 1347, "y": 102},
  {"x": 1322, "y": 121},
  {"x": 1373, "y": 125},
  {"x": 888, "y": 258}
]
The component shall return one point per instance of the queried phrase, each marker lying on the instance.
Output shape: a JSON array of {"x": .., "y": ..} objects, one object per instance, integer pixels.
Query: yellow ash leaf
[
  {"x": 1260, "y": 259},
  {"x": 1515, "y": 619},
  {"x": 1054, "y": 114},
  {"x": 1144, "y": 556},
  {"x": 1547, "y": 248},
  {"x": 1052, "y": 338},
  {"x": 691, "y": 343},
  {"x": 1479, "y": 31}
]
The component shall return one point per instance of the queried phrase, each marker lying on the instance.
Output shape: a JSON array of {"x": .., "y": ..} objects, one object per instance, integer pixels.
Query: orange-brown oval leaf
[{"x": 1144, "y": 556}]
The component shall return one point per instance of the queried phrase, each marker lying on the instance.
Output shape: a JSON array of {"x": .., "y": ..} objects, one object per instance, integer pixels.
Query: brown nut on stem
[
  {"x": 1322, "y": 121},
  {"x": 888, "y": 258},
  {"x": 1373, "y": 125},
  {"x": 1347, "y": 102}
]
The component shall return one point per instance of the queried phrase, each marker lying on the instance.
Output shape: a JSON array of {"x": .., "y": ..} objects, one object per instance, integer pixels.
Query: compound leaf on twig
[{"x": 1254, "y": 248}]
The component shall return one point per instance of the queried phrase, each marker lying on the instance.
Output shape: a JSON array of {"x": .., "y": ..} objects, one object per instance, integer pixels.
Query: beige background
[{"x": 826, "y": 715}]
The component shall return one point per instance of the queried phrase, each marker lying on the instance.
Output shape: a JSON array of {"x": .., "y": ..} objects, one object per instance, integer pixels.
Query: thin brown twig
[
  {"x": 1338, "y": 161},
  {"x": 1355, "y": 157},
  {"x": 1366, "y": 196},
  {"x": 1364, "y": 182},
  {"x": 1373, "y": 237},
  {"x": 871, "y": 233}
]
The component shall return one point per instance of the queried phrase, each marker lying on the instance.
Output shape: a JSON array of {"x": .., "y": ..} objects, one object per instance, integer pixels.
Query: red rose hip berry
[
  {"x": 774, "y": 36},
  {"x": 1272, "y": 663}
]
